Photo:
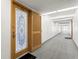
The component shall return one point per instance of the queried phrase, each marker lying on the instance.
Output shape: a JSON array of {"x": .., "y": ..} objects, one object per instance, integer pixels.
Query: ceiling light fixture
[{"x": 66, "y": 9}]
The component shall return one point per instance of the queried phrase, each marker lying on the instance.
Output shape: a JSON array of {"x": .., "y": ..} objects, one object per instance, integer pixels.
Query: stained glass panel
[{"x": 21, "y": 30}]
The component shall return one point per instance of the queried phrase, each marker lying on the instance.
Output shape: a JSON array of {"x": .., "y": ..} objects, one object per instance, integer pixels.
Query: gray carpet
[{"x": 57, "y": 48}]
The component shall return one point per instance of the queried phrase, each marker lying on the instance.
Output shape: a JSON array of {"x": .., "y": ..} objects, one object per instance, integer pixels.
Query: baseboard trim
[
  {"x": 35, "y": 48},
  {"x": 75, "y": 44},
  {"x": 22, "y": 55},
  {"x": 51, "y": 38}
]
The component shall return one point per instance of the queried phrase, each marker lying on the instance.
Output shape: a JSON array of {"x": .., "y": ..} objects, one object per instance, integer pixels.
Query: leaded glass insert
[{"x": 21, "y": 31}]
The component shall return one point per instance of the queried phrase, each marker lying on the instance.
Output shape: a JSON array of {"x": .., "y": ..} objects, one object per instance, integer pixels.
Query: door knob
[{"x": 13, "y": 34}]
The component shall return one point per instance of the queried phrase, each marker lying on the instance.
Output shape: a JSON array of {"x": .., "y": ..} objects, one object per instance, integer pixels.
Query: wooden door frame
[
  {"x": 12, "y": 31},
  {"x": 14, "y": 5}
]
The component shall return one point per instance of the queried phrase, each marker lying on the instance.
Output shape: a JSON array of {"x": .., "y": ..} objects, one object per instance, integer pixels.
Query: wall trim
[
  {"x": 75, "y": 44},
  {"x": 22, "y": 55}
]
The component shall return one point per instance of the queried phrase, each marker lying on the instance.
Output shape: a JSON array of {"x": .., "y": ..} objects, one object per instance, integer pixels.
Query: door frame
[{"x": 15, "y": 5}]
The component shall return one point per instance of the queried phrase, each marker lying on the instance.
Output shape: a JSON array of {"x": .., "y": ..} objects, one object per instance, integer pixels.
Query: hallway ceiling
[
  {"x": 69, "y": 12},
  {"x": 45, "y": 6},
  {"x": 63, "y": 21}
]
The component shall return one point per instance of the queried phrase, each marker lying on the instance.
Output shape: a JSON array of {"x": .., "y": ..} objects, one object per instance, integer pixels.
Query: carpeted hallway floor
[{"x": 57, "y": 48}]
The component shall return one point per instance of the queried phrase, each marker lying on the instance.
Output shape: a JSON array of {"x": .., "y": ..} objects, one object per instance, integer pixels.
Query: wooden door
[
  {"x": 19, "y": 31},
  {"x": 36, "y": 30},
  {"x": 33, "y": 34}
]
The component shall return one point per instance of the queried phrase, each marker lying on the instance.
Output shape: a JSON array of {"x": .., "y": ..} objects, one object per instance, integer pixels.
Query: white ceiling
[
  {"x": 45, "y": 6},
  {"x": 67, "y": 21},
  {"x": 69, "y": 12}
]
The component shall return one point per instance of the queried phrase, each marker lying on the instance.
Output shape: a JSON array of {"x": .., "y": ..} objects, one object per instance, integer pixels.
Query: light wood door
[
  {"x": 19, "y": 31},
  {"x": 33, "y": 38},
  {"x": 36, "y": 30}
]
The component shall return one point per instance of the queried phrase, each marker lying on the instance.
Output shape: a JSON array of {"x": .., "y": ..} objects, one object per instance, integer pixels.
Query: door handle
[{"x": 13, "y": 34}]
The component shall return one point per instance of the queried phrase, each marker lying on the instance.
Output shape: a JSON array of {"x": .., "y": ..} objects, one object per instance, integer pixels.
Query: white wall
[
  {"x": 75, "y": 27},
  {"x": 5, "y": 29},
  {"x": 49, "y": 28}
]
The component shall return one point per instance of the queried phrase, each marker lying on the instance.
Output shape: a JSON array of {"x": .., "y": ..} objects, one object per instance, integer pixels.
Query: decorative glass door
[{"x": 21, "y": 30}]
